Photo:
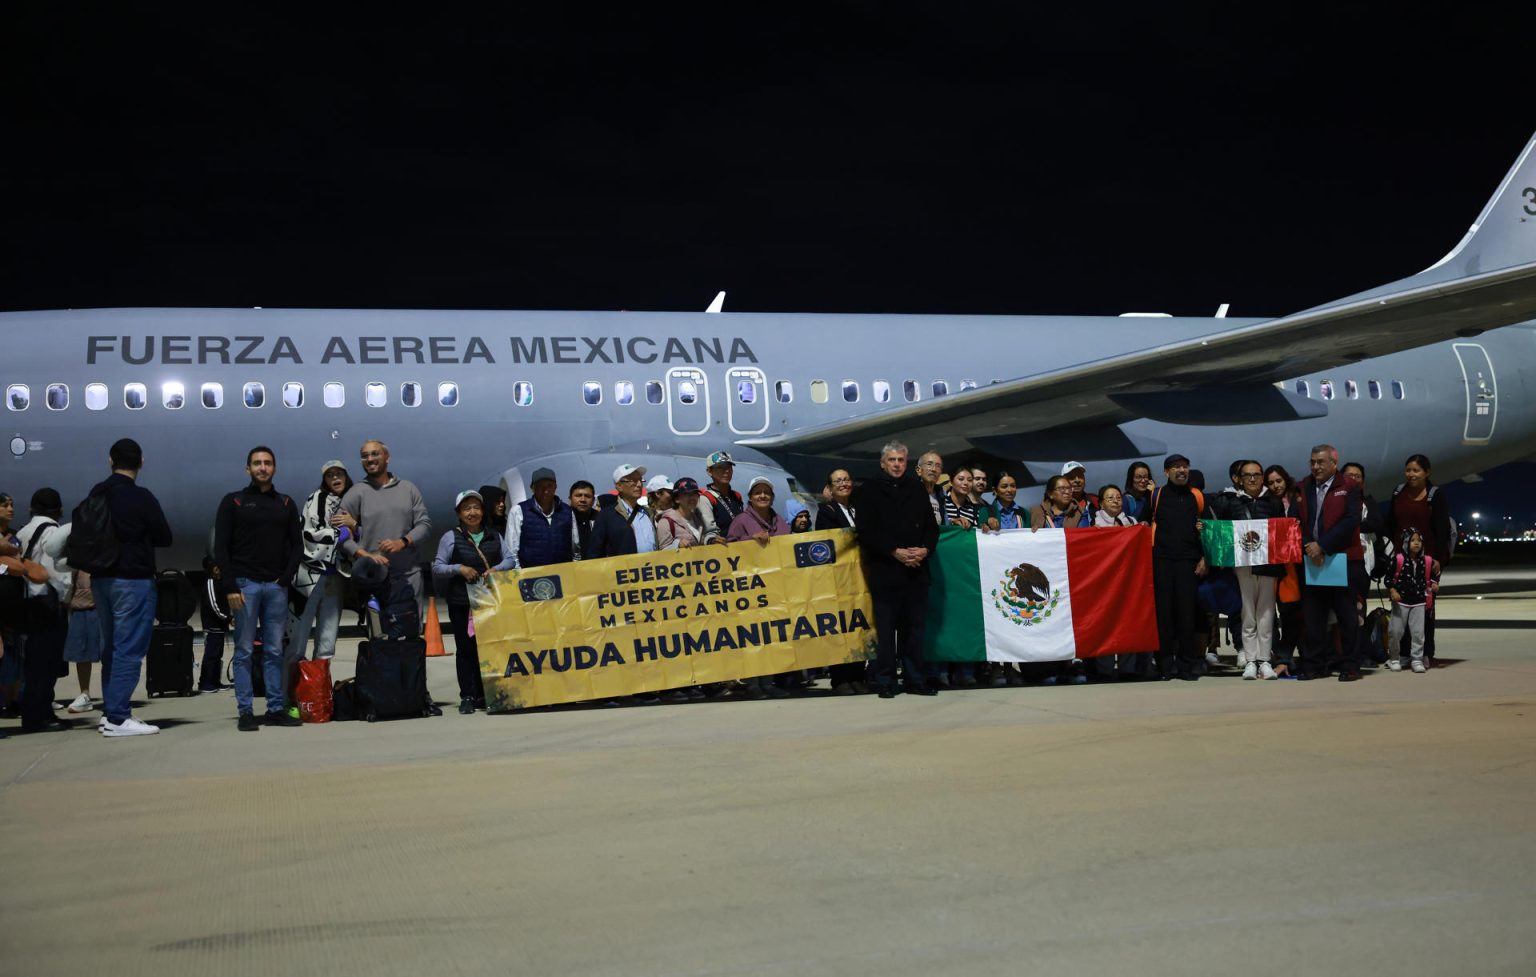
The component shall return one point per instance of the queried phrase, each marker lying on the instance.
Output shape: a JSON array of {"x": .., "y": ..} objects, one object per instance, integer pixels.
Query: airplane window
[
  {"x": 1325, "y": 389},
  {"x": 655, "y": 393},
  {"x": 687, "y": 393},
  {"x": 18, "y": 396},
  {"x": 213, "y": 396},
  {"x": 940, "y": 388},
  {"x": 967, "y": 385},
  {"x": 623, "y": 392},
  {"x": 785, "y": 391},
  {"x": 173, "y": 395},
  {"x": 1303, "y": 388},
  {"x": 1351, "y": 390},
  {"x": 1397, "y": 390},
  {"x": 58, "y": 396},
  {"x": 818, "y": 391},
  {"x": 911, "y": 391},
  {"x": 135, "y": 396},
  {"x": 95, "y": 396},
  {"x": 746, "y": 391},
  {"x": 1374, "y": 386},
  {"x": 522, "y": 393},
  {"x": 592, "y": 393},
  {"x": 334, "y": 394},
  {"x": 255, "y": 395},
  {"x": 851, "y": 391},
  {"x": 293, "y": 394},
  {"x": 374, "y": 394},
  {"x": 410, "y": 393},
  {"x": 448, "y": 393},
  {"x": 882, "y": 391}
]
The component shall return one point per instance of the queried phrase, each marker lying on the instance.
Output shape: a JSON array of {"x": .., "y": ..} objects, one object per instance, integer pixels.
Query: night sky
[{"x": 859, "y": 158}]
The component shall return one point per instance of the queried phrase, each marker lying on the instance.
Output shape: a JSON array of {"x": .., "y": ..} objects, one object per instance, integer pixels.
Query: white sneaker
[
  {"x": 1267, "y": 671},
  {"x": 1418, "y": 666},
  {"x": 1251, "y": 671},
  {"x": 1394, "y": 665},
  {"x": 1212, "y": 659},
  {"x": 82, "y": 703},
  {"x": 128, "y": 727}
]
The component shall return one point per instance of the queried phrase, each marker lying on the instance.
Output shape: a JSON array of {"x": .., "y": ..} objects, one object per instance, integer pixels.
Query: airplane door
[
  {"x": 687, "y": 401},
  {"x": 746, "y": 397},
  {"x": 1482, "y": 392}
]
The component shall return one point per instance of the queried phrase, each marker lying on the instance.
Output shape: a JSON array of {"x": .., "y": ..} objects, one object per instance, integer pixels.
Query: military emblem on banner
[
  {"x": 1024, "y": 596},
  {"x": 817, "y": 553},
  {"x": 540, "y": 588}
]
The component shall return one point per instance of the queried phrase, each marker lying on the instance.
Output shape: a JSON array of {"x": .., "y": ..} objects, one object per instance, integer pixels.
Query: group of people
[{"x": 278, "y": 568}]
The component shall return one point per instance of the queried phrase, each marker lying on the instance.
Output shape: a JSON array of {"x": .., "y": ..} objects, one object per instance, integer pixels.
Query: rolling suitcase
[
  {"x": 392, "y": 679},
  {"x": 168, "y": 666}
]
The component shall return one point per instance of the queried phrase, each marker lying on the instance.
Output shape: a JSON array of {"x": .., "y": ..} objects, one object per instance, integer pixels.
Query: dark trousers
[
  {"x": 1174, "y": 589},
  {"x": 42, "y": 658},
  {"x": 466, "y": 654},
  {"x": 847, "y": 672},
  {"x": 211, "y": 674},
  {"x": 901, "y": 614},
  {"x": 1291, "y": 633},
  {"x": 1320, "y": 656}
]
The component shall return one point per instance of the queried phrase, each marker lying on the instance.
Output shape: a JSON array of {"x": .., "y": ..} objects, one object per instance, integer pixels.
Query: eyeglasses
[{"x": 1253, "y": 474}]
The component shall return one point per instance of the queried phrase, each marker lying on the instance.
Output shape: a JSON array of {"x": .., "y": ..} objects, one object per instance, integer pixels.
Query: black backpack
[{"x": 93, "y": 545}]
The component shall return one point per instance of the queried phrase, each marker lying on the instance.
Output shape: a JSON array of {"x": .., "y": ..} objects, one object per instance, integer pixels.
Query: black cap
[
  {"x": 47, "y": 501},
  {"x": 369, "y": 572},
  {"x": 1173, "y": 460}
]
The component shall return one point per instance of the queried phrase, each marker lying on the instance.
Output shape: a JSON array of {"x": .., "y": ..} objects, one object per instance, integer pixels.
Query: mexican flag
[
  {"x": 1054, "y": 595},
  {"x": 1250, "y": 542}
]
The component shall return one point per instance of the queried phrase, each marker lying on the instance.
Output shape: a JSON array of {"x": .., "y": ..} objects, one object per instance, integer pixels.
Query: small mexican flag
[
  {"x": 1250, "y": 542},
  {"x": 1054, "y": 595}
]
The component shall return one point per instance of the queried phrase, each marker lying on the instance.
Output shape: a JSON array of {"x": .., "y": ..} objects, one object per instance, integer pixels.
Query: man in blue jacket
[{"x": 125, "y": 591}]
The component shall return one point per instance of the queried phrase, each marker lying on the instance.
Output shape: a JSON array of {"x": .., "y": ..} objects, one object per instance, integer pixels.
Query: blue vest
[
  {"x": 464, "y": 555},
  {"x": 544, "y": 541}
]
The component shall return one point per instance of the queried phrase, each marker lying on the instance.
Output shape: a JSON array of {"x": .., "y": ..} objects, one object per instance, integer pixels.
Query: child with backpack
[{"x": 1411, "y": 583}]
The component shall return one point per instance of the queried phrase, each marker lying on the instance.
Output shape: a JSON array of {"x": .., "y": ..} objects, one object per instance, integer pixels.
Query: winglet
[{"x": 718, "y": 305}]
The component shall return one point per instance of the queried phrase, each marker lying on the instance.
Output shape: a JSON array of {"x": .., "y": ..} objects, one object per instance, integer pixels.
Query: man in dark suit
[
  {"x": 897, "y": 534},
  {"x": 1330, "y": 524}
]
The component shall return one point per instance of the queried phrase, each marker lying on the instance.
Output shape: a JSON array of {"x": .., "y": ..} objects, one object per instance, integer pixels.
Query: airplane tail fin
[{"x": 1503, "y": 236}]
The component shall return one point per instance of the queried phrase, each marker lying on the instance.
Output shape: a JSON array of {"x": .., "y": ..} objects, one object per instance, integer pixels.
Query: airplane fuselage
[{"x": 466, "y": 398}]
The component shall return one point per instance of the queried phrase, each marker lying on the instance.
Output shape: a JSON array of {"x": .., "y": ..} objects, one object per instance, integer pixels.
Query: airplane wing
[{"x": 1175, "y": 381}]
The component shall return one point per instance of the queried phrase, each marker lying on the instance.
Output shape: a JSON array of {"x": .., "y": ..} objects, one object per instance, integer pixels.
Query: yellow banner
[{"x": 602, "y": 629}]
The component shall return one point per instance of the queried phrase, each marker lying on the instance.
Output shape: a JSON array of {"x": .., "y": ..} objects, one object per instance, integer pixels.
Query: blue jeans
[
  {"x": 127, "y": 611},
  {"x": 267, "y": 603},
  {"x": 322, "y": 614}
]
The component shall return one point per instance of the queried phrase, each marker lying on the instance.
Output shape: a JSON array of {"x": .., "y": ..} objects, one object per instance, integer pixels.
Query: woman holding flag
[{"x": 1232, "y": 539}]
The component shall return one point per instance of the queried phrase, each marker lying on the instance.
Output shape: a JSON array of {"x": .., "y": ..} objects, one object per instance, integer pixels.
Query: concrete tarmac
[{"x": 1220, "y": 827}]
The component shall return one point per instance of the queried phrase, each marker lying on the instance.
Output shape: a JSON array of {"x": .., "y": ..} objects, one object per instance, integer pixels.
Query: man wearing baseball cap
[
  {"x": 542, "y": 530},
  {"x": 623, "y": 527},
  {"x": 1077, "y": 475},
  {"x": 725, "y": 503}
]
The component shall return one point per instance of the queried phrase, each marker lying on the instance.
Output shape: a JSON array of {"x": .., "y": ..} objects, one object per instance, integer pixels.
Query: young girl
[{"x": 1411, "y": 584}]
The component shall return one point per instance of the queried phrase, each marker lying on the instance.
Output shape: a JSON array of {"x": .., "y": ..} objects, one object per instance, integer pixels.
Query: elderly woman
[
  {"x": 684, "y": 524},
  {"x": 1058, "y": 510},
  {"x": 466, "y": 553},
  {"x": 659, "y": 497},
  {"x": 758, "y": 521}
]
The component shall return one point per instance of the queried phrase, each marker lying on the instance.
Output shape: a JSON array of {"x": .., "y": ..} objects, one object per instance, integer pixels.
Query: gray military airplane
[{"x": 1442, "y": 362}]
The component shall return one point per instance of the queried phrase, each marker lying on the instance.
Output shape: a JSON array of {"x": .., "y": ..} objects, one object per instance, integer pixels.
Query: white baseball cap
[
  {"x": 625, "y": 470},
  {"x": 1072, "y": 466},
  {"x": 659, "y": 483}
]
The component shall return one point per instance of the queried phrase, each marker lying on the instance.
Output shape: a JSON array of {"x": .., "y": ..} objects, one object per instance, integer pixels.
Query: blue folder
[{"x": 1333, "y": 573}]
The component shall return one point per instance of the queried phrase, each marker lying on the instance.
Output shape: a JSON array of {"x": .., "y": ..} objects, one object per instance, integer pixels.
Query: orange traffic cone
[{"x": 434, "y": 631}]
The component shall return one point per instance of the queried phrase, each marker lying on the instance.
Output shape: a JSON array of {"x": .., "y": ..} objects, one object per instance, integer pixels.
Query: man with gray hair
[
  {"x": 392, "y": 524},
  {"x": 1330, "y": 525},
  {"x": 897, "y": 534}
]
